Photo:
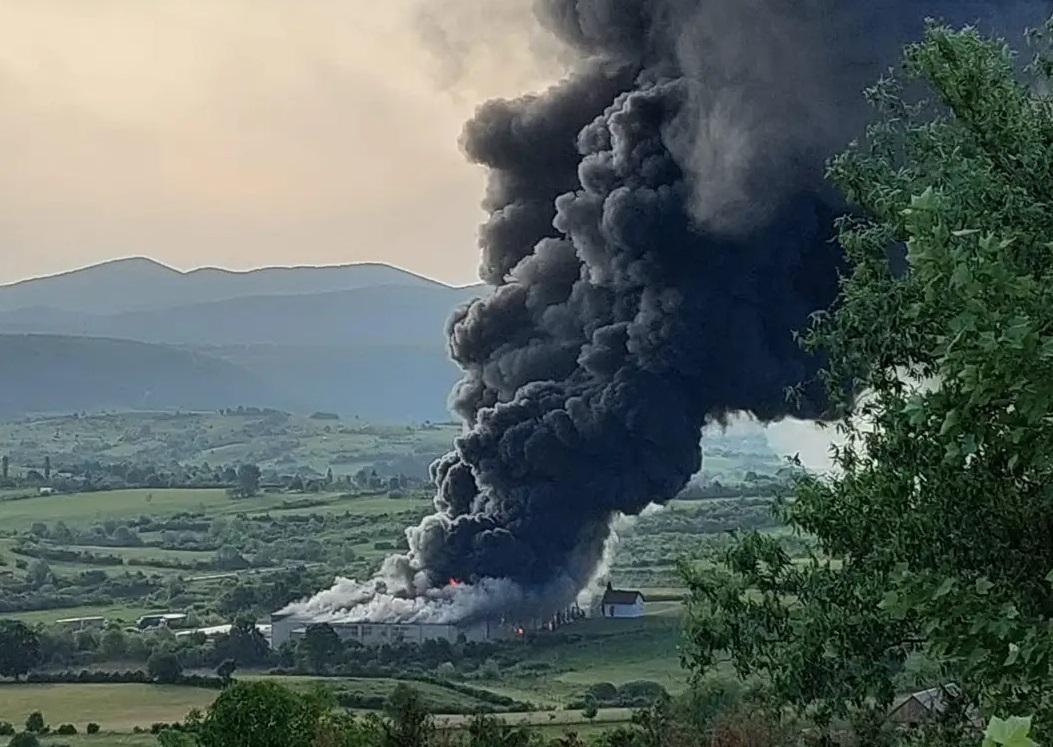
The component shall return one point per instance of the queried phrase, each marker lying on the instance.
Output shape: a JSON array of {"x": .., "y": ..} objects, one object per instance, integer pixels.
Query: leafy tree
[
  {"x": 261, "y": 714},
  {"x": 164, "y": 666},
  {"x": 487, "y": 731},
  {"x": 19, "y": 648},
  {"x": 591, "y": 710},
  {"x": 35, "y": 723},
  {"x": 934, "y": 532},
  {"x": 248, "y": 480},
  {"x": 114, "y": 644},
  {"x": 126, "y": 537},
  {"x": 62, "y": 534},
  {"x": 342, "y": 730},
  {"x": 408, "y": 723},
  {"x": 39, "y": 572},
  {"x": 228, "y": 558},
  {"x": 24, "y": 739},
  {"x": 225, "y": 671},
  {"x": 320, "y": 646},
  {"x": 85, "y": 640},
  {"x": 244, "y": 644}
]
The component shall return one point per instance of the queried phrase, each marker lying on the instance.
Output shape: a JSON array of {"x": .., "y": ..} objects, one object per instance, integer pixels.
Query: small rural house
[
  {"x": 622, "y": 603},
  {"x": 921, "y": 707}
]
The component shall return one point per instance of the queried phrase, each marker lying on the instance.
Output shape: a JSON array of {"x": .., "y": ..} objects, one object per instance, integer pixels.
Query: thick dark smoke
[{"x": 659, "y": 228}]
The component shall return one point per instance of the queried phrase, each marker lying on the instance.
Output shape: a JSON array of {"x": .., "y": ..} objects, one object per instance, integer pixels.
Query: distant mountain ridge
[
  {"x": 378, "y": 315},
  {"x": 40, "y": 373},
  {"x": 364, "y": 339},
  {"x": 140, "y": 284}
]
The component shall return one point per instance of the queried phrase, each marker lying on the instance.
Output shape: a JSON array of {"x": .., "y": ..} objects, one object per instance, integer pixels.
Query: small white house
[{"x": 622, "y": 603}]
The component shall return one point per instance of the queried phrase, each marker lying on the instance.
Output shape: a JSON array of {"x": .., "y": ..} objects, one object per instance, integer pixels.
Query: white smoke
[
  {"x": 399, "y": 595},
  {"x": 589, "y": 596},
  {"x": 809, "y": 442},
  {"x": 349, "y": 600}
]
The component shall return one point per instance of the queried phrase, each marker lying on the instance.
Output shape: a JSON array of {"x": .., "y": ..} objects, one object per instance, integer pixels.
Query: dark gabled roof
[
  {"x": 621, "y": 596},
  {"x": 933, "y": 700}
]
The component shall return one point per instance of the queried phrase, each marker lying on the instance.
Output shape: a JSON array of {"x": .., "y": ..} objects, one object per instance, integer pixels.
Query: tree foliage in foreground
[
  {"x": 19, "y": 648},
  {"x": 935, "y": 532}
]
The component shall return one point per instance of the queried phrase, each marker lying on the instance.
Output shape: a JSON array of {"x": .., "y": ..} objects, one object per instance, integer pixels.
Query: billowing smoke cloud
[{"x": 659, "y": 228}]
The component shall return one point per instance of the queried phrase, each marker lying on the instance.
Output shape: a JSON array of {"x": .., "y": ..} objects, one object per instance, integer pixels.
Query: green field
[
  {"x": 600, "y": 650},
  {"x": 117, "y": 708},
  {"x": 110, "y": 706},
  {"x": 438, "y": 699},
  {"x": 272, "y": 440},
  {"x": 90, "y": 508},
  {"x": 122, "y": 614},
  {"x": 102, "y": 740}
]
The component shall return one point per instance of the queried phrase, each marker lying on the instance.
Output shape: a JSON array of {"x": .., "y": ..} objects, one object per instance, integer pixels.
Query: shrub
[
  {"x": 66, "y": 730},
  {"x": 740, "y": 728},
  {"x": 35, "y": 722},
  {"x": 25, "y": 739},
  {"x": 6, "y": 729},
  {"x": 644, "y": 690},
  {"x": 164, "y": 666},
  {"x": 92, "y": 728},
  {"x": 591, "y": 711},
  {"x": 602, "y": 692},
  {"x": 489, "y": 670}
]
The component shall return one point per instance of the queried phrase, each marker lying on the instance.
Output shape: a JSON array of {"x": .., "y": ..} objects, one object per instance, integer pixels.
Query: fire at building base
[{"x": 287, "y": 627}]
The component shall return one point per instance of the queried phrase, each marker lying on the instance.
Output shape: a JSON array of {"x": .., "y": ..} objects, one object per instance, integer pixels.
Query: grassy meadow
[
  {"x": 117, "y": 708},
  {"x": 270, "y": 439}
]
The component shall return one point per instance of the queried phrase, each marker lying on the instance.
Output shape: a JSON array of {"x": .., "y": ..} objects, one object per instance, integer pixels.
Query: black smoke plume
[{"x": 659, "y": 228}]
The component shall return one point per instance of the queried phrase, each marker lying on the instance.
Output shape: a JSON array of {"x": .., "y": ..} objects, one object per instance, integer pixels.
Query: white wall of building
[{"x": 624, "y": 610}]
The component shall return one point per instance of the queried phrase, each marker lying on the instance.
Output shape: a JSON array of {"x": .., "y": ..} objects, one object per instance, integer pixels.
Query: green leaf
[
  {"x": 950, "y": 421},
  {"x": 1011, "y": 732},
  {"x": 1014, "y": 654},
  {"x": 944, "y": 588}
]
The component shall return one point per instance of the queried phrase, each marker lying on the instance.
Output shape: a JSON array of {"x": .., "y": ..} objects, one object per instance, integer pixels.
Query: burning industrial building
[{"x": 659, "y": 229}]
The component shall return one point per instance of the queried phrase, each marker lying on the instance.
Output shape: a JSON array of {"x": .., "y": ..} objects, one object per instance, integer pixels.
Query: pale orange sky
[{"x": 242, "y": 133}]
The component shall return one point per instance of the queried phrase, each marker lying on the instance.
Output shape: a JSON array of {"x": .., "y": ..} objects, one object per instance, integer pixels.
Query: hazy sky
[{"x": 242, "y": 133}]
